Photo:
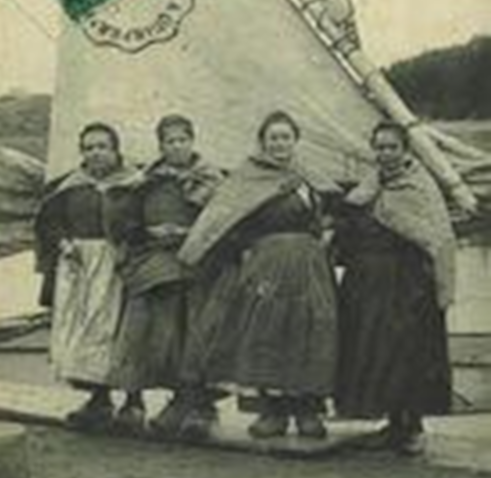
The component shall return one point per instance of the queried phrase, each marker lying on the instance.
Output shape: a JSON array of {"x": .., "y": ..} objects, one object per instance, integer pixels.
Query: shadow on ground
[{"x": 59, "y": 454}]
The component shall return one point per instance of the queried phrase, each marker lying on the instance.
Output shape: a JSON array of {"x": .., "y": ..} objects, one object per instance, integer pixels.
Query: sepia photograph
[{"x": 245, "y": 238}]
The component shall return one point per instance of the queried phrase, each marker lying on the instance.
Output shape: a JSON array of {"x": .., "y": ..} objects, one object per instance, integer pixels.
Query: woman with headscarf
[
  {"x": 270, "y": 321},
  {"x": 74, "y": 242},
  {"x": 398, "y": 247}
]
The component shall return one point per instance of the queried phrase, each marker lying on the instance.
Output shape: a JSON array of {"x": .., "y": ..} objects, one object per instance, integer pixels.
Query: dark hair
[
  {"x": 396, "y": 128},
  {"x": 101, "y": 128},
  {"x": 172, "y": 121},
  {"x": 109, "y": 131},
  {"x": 278, "y": 117}
]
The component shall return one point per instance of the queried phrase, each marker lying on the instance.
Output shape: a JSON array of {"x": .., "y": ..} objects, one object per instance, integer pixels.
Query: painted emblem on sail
[{"x": 131, "y": 26}]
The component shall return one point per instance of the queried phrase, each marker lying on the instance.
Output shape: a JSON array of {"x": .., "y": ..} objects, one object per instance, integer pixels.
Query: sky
[{"x": 390, "y": 30}]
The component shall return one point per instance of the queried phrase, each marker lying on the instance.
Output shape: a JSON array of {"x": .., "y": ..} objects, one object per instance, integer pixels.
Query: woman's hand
[
  {"x": 67, "y": 247},
  {"x": 327, "y": 237},
  {"x": 366, "y": 192},
  {"x": 167, "y": 230},
  {"x": 70, "y": 252},
  {"x": 169, "y": 235}
]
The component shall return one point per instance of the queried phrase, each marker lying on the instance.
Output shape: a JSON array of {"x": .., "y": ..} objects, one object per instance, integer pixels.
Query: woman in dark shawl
[
  {"x": 398, "y": 247},
  {"x": 156, "y": 209},
  {"x": 270, "y": 322}
]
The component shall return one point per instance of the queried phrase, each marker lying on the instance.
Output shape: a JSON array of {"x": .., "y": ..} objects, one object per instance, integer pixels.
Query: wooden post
[{"x": 351, "y": 57}]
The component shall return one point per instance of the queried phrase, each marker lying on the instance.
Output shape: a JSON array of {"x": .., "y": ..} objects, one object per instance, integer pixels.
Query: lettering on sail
[{"x": 131, "y": 26}]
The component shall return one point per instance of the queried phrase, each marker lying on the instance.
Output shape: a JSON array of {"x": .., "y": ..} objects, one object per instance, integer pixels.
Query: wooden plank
[
  {"x": 36, "y": 342},
  {"x": 47, "y": 406},
  {"x": 470, "y": 350},
  {"x": 473, "y": 389},
  {"x": 470, "y": 313}
]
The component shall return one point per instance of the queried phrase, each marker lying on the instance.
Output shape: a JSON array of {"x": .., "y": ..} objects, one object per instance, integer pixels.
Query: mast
[{"x": 332, "y": 21}]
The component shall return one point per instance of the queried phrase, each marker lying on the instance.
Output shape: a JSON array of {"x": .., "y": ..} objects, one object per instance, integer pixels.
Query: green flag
[{"x": 76, "y": 9}]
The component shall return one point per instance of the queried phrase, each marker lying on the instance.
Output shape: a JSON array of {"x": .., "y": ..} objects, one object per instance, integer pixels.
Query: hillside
[
  {"x": 450, "y": 84},
  {"x": 24, "y": 123}
]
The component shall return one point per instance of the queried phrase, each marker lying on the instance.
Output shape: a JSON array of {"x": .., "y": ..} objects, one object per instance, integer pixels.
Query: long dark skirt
[
  {"x": 148, "y": 345},
  {"x": 271, "y": 322},
  {"x": 393, "y": 341}
]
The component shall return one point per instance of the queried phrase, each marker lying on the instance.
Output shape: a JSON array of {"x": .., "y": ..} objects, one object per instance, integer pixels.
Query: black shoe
[
  {"x": 384, "y": 439},
  {"x": 269, "y": 425},
  {"x": 130, "y": 419},
  {"x": 168, "y": 423},
  {"x": 310, "y": 426},
  {"x": 307, "y": 410},
  {"x": 92, "y": 416},
  {"x": 198, "y": 424},
  {"x": 412, "y": 445}
]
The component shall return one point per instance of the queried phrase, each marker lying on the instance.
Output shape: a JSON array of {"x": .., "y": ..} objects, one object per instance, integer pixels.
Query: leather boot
[
  {"x": 95, "y": 414},
  {"x": 273, "y": 418},
  {"x": 308, "y": 421},
  {"x": 198, "y": 423}
]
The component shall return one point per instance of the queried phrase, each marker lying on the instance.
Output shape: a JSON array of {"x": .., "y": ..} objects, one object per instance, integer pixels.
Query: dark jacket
[
  {"x": 165, "y": 195},
  {"x": 73, "y": 206}
]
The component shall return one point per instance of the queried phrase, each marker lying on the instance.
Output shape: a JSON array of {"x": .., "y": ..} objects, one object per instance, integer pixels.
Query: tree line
[{"x": 450, "y": 84}]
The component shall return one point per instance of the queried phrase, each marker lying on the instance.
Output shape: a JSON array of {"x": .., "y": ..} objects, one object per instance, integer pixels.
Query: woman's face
[
  {"x": 176, "y": 146},
  {"x": 390, "y": 149},
  {"x": 99, "y": 153},
  {"x": 279, "y": 141}
]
